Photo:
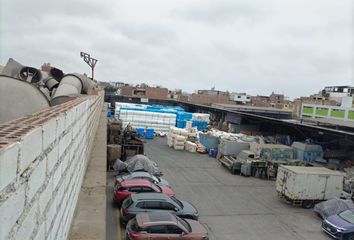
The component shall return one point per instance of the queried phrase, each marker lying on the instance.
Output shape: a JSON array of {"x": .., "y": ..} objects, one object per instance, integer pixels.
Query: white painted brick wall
[
  {"x": 56, "y": 176},
  {"x": 31, "y": 148},
  {"x": 65, "y": 162},
  {"x": 49, "y": 133},
  {"x": 11, "y": 210},
  {"x": 36, "y": 179},
  {"x": 41, "y": 202},
  {"x": 50, "y": 214},
  {"x": 64, "y": 142},
  {"x": 52, "y": 158},
  {"x": 41, "y": 232},
  {"x": 8, "y": 165},
  {"x": 45, "y": 196},
  {"x": 60, "y": 124},
  {"x": 28, "y": 224}
]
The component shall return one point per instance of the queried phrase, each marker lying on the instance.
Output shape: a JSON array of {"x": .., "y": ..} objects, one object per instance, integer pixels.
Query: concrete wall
[
  {"x": 328, "y": 112},
  {"x": 43, "y": 159}
]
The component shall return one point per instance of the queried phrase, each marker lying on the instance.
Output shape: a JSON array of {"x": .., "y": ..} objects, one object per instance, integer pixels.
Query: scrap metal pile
[{"x": 25, "y": 90}]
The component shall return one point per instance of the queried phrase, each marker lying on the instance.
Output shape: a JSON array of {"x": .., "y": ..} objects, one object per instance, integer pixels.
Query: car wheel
[{"x": 308, "y": 205}]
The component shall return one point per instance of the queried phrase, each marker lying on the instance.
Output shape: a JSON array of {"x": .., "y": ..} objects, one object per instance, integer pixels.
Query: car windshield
[
  {"x": 184, "y": 223},
  {"x": 347, "y": 215},
  {"x": 177, "y": 201}
]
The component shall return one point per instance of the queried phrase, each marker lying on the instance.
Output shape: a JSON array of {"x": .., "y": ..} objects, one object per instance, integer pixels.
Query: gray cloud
[{"x": 295, "y": 47}]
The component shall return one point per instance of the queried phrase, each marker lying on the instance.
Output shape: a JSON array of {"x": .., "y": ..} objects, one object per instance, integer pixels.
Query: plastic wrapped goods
[{"x": 190, "y": 147}]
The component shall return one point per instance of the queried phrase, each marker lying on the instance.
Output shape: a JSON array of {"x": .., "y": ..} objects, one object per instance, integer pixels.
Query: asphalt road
[{"x": 231, "y": 207}]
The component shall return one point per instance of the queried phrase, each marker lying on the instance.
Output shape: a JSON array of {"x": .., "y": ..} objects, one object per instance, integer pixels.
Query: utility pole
[{"x": 90, "y": 61}]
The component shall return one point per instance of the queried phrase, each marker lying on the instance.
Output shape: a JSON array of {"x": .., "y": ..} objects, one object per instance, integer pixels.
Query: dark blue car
[{"x": 341, "y": 225}]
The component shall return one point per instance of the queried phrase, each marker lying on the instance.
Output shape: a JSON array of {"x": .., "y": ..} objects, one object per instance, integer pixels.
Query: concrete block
[
  {"x": 57, "y": 177},
  {"x": 11, "y": 210},
  {"x": 72, "y": 114},
  {"x": 57, "y": 221},
  {"x": 76, "y": 129},
  {"x": 8, "y": 164},
  {"x": 65, "y": 162},
  {"x": 60, "y": 195},
  {"x": 52, "y": 158},
  {"x": 60, "y": 124},
  {"x": 68, "y": 178},
  {"x": 49, "y": 216},
  {"x": 41, "y": 232},
  {"x": 28, "y": 225},
  {"x": 45, "y": 196},
  {"x": 49, "y": 133},
  {"x": 64, "y": 142},
  {"x": 30, "y": 148},
  {"x": 68, "y": 119},
  {"x": 36, "y": 179}
]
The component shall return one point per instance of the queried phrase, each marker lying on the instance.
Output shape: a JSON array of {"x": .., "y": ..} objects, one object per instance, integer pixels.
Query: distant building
[
  {"x": 240, "y": 98},
  {"x": 334, "y": 105},
  {"x": 260, "y": 101},
  {"x": 275, "y": 100},
  {"x": 144, "y": 91},
  {"x": 209, "y": 97},
  {"x": 117, "y": 84},
  {"x": 178, "y": 95}
]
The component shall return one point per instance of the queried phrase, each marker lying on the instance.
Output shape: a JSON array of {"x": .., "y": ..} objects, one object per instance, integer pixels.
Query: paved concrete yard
[{"x": 232, "y": 207}]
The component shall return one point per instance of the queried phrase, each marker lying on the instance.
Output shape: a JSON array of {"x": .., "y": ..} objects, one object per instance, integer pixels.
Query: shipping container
[{"x": 308, "y": 185}]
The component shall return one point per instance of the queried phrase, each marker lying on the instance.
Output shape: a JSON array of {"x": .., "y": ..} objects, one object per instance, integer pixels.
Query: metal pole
[{"x": 90, "y": 61}]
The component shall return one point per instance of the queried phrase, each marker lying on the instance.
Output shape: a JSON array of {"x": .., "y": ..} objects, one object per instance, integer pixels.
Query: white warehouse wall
[{"x": 43, "y": 158}]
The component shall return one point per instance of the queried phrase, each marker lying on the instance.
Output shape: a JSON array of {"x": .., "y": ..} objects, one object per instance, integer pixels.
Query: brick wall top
[{"x": 13, "y": 130}]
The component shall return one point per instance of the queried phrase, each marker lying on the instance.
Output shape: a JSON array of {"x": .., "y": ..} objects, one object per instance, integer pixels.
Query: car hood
[
  {"x": 197, "y": 227},
  {"x": 337, "y": 221},
  {"x": 167, "y": 190},
  {"x": 188, "y": 209}
]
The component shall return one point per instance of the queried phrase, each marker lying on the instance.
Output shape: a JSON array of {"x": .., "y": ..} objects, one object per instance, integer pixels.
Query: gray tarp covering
[
  {"x": 142, "y": 163},
  {"x": 119, "y": 165},
  {"x": 333, "y": 206}
]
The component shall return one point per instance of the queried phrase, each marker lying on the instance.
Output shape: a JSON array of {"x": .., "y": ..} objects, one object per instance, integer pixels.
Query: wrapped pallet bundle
[
  {"x": 178, "y": 143},
  {"x": 170, "y": 140},
  {"x": 190, "y": 146}
]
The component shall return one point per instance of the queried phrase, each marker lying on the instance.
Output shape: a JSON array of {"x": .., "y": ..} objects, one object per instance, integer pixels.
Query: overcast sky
[{"x": 295, "y": 47}]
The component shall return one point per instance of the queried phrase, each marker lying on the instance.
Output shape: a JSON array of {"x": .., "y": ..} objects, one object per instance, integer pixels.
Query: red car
[{"x": 127, "y": 187}]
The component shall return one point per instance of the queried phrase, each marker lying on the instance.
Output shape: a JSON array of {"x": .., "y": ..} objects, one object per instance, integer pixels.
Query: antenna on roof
[{"x": 90, "y": 61}]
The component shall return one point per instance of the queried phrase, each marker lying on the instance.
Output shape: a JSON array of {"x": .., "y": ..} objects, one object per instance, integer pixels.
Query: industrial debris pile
[{"x": 28, "y": 89}]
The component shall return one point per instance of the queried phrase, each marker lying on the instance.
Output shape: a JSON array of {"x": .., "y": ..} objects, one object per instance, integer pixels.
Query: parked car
[
  {"x": 142, "y": 175},
  {"x": 163, "y": 225},
  {"x": 340, "y": 226},
  {"x": 151, "y": 202},
  {"x": 127, "y": 187},
  {"x": 332, "y": 206}
]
